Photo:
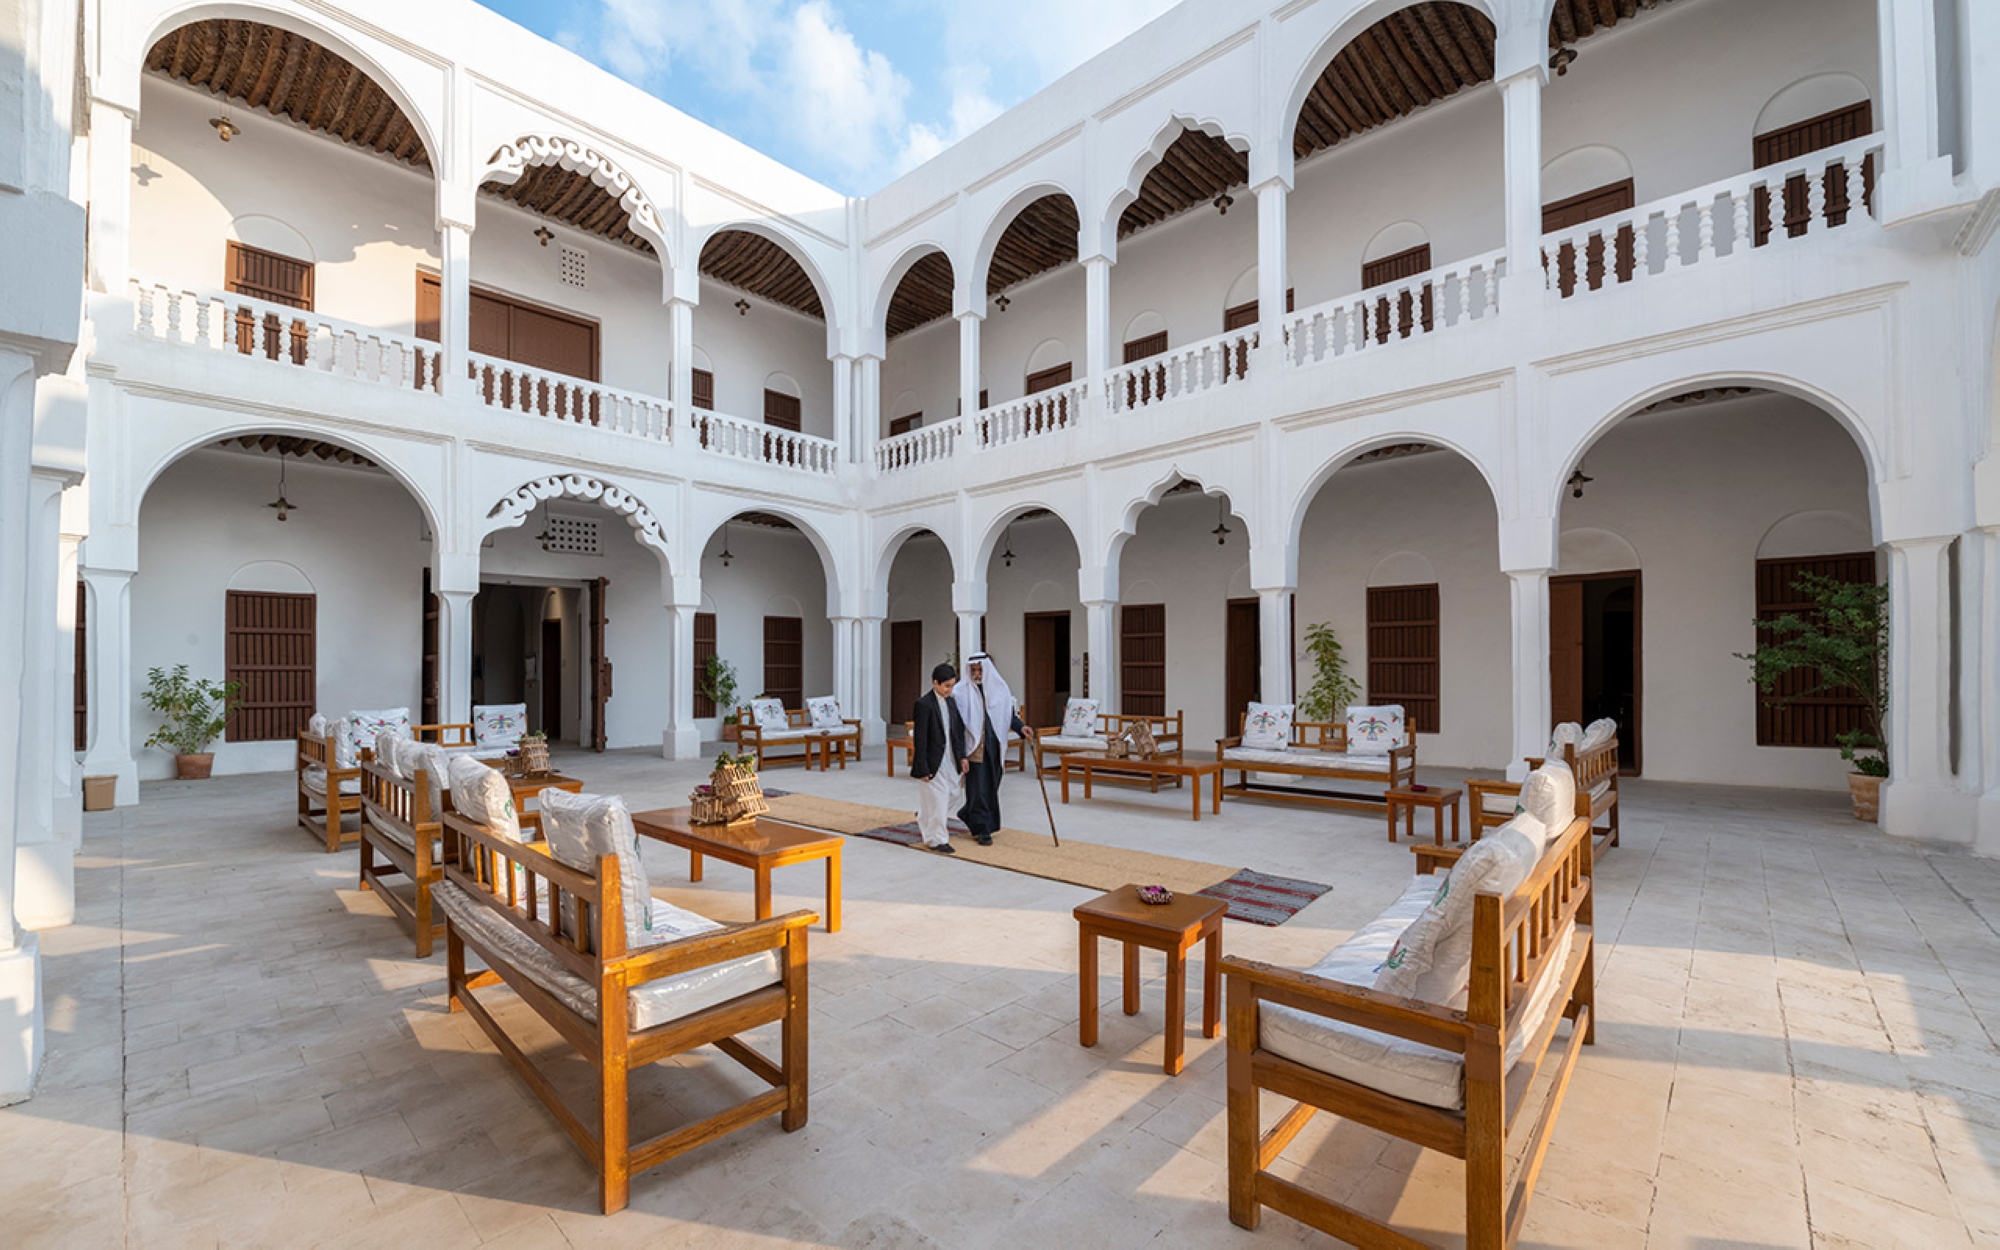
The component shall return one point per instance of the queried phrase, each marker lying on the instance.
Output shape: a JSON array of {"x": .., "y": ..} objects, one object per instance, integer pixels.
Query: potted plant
[
  {"x": 1332, "y": 689},
  {"x": 718, "y": 685},
  {"x": 195, "y": 712},
  {"x": 1841, "y": 645}
]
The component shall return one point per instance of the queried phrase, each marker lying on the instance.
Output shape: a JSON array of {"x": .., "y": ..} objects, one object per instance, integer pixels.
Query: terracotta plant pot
[
  {"x": 1866, "y": 792},
  {"x": 731, "y": 731},
  {"x": 194, "y": 767}
]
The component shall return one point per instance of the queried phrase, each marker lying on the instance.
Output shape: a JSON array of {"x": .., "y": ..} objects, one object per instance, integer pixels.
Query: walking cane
[{"x": 1044, "y": 779}]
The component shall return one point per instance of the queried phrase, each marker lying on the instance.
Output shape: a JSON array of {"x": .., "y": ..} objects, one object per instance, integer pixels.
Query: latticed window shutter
[
  {"x": 1403, "y": 652},
  {"x": 1818, "y": 720},
  {"x": 270, "y": 645},
  {"x": 784, "y": 660},
  {"x": 1142, "y": 659},
  {"x": 781, "y": 410},
  {"x": 269, "y": 276},
  {"x": 703, "y": 386},
  {"x": 704, "y": 651}
]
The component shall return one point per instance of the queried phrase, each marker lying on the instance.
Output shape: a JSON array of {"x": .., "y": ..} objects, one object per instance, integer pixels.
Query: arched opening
[
  {"x": 318, "y": 606},
  {"x": 1034, "y": 291},
  {"x": 1414, "y": 596},
  {"x": 760, "y": 311},
  {"x": 1680, "y": 525},
  {"x": 921, "y": 630},
  {"x": 1034, "y": 626},
  {"x": 766, "y": 600},
  {"x": 1184, "y": 599},
  {"x": 920, "y": 358},
  {"x": 1418, "y": 67},
  {"x": 287, "y": 187}
]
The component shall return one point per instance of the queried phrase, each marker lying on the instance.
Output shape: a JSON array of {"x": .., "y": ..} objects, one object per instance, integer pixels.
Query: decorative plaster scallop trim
[
  {"x": 514, "y": 509},
  {"x": 512, "y": 159}
]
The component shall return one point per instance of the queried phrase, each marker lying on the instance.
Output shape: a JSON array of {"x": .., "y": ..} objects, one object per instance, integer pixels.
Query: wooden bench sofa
[
  {"x": 565, "y": 939},
  {"x": 760, "y": 736},
  {"x": 405, "y": 793},
  {"x": 1317, "y": 750},
  {"x": 328, "y": 793},
  {"x": 1055, "y": 742},
  {"x": 1482, "y": 1081},
  {"x": 1592, "y": 756}
]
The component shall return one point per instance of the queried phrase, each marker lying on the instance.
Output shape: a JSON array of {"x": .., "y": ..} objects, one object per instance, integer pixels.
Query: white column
[
  {"x": 844, "y": 431},
  {"x": 1530, "y": 661},
  {"x": 1096, "y": 324},
  {"x": 867, "y": 409},
  {"x": 110, "y": 197},
  {"x": 68, "y": 791},
  {"x": 109, "y": 639},
  {"x": 1915, "y": 177},
  {"x": 846, "y": 673},
  {"x": 682, "y": 739},
  {"x": 968, "y": 604},
  {"x": 1920, "y": 800},
  {"x": 20, "y": 963},
  {"x": 1100, "y": 625},
  {"x": 968, "y": 366},
  {"x": 1274, "y": 643},
  {"x": 1979, "y": 708},
  {"x": 45, "y": 866},
  {"x": 868, "y": 664},
  {"x": 1272, "y": 282},
  {"x": 680, "y": 384},
  {"x": 1521, "y": 100},
  {"x": 455, "y": 655},
  {"x": 455, "y": 305}
]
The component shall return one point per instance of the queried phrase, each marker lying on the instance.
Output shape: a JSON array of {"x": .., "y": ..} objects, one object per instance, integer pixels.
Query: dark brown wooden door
[
  {"x": 704, "y": 651},
  {"x": 1045, "y": 670},
  {"x": 1612, "y": 197},
  {"x": 1142, "y": 659},
  {"x": 1565, "y": 651},
  {"x": 1813, "y": 720},
  {"x": 550, "y": 666},
  {"x": 1145, "y": 385},
  {"x": 906, "y": 668},
  {"x": 270, "y": 647},
  {"x": 429, "y": 694},
  {"x": 784, "y": 660},
  {"x": 1814, "y": 134},
  {"x": 278, "y": 279},
  {"x": 904, "y": 424},
  {"x": 1048, "y": 416},
  {"x": 1401, "y": 317},
  {"x": 1242, "y": 662},
  {"x": 82, "y": 690},
  {"x": 1403, "y": 652},
  {"x": 600, "y": 663},
  {"x": 513, "y": 329}
]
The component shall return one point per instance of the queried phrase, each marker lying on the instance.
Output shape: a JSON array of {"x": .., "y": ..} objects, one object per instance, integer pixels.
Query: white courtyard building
[{"x": 1533, "y": 345}]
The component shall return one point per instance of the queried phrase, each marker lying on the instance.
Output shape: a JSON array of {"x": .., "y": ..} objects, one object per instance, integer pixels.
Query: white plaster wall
[
  {"x": 771, "y": 573},
  {"x": 1175, "y": 560},
  {"x": 920, "y": 590},
  {"x": 1043, "y": 308},
  {"x": 920, "y": 374},
  {"x": 746, "y": 349},
  {"x": 1181, "y": 270},
  {"x": 1042, "y": 579},
  {"x": 635, "y": 631},
  {"x": 205, "y": 519}
]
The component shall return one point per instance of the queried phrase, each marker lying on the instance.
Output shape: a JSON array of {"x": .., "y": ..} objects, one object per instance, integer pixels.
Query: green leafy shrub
[{"x": 196, "y": 711}]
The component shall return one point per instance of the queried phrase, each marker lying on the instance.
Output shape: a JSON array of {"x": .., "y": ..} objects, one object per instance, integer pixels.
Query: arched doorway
[
  {"x": 1033, "y": 627},
  {"x": 1031, "y": 341},
  {"x": 762, "y": 310},
  {"x": 920, "y": 360},
  {"x": 922, "y": 630},
  {"x": 1189, "y": 631},
  {"x": 765, "y": 605}
]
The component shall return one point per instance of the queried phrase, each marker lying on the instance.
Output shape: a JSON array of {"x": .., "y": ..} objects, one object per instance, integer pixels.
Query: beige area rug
[{"x": 1034, "y": 854}]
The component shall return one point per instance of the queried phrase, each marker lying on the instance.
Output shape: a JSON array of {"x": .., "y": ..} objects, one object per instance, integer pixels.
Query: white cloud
[{"x": 845, "y": 101}]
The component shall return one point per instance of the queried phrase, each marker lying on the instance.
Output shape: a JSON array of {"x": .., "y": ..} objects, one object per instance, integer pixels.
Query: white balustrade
[
  {"x": 1181, "y": 371},
  {"x": 537, "y": 392},
  {"x": 1806, "y": 196},
  {"x": 1031, "y": 416},
  {"x": 725, "y": 435},
  {"x": 1426, "y": 303},
  {"x": 280, "y": 334},
  {"x": 927, "y": 444}
]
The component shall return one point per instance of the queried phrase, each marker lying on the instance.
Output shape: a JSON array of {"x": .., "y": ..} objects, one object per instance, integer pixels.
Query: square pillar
[
  {"x": 682, "y": 737},
  {"x": 110, "y": 256},
  {"x": 455, "y": 307},
  {"x": 44, "y": 865},
  {"x": 1532, "y": 698},
  {"x": 1096, "y": 325},
  {"x": 844, "y": 431},
  {"x": 1272, "y": 260},
  {"x": 1100, "y": 623},
  {"x": 1921, "y": 798},
  {"x": 968, "y": 368},
  {"x": 455, "y": 655},
  {"x": 1979, "y": 700},
  {"x": 1521, "y": 103},
  {"x": 680, "y": 382},
  {"x": 867, "y": 408},
  {"x": 874, "y": 727},
  {"x": 108, "y": 600},
  {"x": 1915, "y": 178},
  {"x": 1274, "y": 641}
]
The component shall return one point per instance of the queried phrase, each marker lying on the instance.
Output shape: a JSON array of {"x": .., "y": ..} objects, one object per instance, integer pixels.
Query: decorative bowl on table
[{"x": 1157, "y": 895}]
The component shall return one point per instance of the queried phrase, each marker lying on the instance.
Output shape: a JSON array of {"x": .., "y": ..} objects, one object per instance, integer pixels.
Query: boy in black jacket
[{"x": 937, "y": 756}]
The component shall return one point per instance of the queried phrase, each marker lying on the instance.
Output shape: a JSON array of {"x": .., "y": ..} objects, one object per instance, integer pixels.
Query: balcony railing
[
  {"x": 1032, "y": 416},
  {"x": 924, "y": 445},
  {"x": 725, "y": 435},
  {"x": 1775, "y": 205},
  {"x": 536, "y": 392},
  {"x": 1181, "y": 371},
  {"x": 1427, "y": 303},
  {"x": 281, "y": 334}
]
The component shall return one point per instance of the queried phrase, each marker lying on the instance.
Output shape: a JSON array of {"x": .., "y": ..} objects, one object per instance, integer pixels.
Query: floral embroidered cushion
[
  {"x": 499, "y": 724},
  {"x": 1268, "y": 726},
  {"x": 825, "y": 712},
  {"x": 368, "y": 726},
  {"x": 1080, "y": 718},
  {"x": 769, "y": 714},
  {"x": 1374, "y": 730}
]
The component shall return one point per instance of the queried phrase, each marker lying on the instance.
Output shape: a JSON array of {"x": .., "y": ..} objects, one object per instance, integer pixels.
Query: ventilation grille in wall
[
  {"x": 572, "y": 535},
  {"x": 575, "y": 269}
]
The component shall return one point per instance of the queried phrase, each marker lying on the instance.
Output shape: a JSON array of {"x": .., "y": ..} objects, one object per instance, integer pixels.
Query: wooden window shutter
[
  {"x": 703, "y": 386},
  {"x": 1814, "y": 134},
  {"x": 1141, "y": 348},
  {"x": 1046, "y": 379},
  {"x": 82, "y": 688},
  {"x": 1817, "y": 720},
  {"x": 269, "y": 276},
  {"x": 1145, "y": 385},
  {"x": 1245, "y": 314},
  {"x": 1142, "y": 659},
  {"x": 781, "y": 410},
  {"x": 704, "y": 651},
  {"x": 903, "y": 425},
  {"x": 1612, "y": 197},
  {"x": 784, "y": 660},
  {"x": 1403, "y": 651},
  {"x": 1402, "y": 319},
  {"x": 270, "y": 646}
]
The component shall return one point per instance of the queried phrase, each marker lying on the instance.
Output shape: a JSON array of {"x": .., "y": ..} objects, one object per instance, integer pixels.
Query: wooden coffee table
[
  {"x": 1174, "y": 928},
  {"x": 1174, "y": 765},
  {"x": 759, "y": 845},
  {"x": 526, "y": 788},
  {"x": 1405, "y": 802}
]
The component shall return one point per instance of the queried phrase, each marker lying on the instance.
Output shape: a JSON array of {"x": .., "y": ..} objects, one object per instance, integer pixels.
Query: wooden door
[
  {"x": 82, "y": 689},
  {"x": 1400, "y": 318},
  {"x": 428, "y": 672},
  {"x": 513, "y": 329},
  {"x": 1801, "y": 139},
  {"x": 1612, "y": 197},
  {"x": 1403, "y": 661},
  {"x": 1142, "y": 659},
  {"x": 600, "y": 663},
  {"x": 1144, "y": 386},
  {"x": 1045, "y": 669},
  {"x": 1565, "y": 651},
  {"x": 277, "y": 279},
  {"x": 270, "y": 646},
  {"x": 906, "y": 668},
  {"x": 784, "y": 660},
  {"x": 1242, "y": 662},
  {"x": 550, "y": 666}
]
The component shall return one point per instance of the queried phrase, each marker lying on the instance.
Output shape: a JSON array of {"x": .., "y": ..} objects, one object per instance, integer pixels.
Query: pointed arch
[
  {"x": 514, "y": 158},
  {"x": 1143, "y": 166}
]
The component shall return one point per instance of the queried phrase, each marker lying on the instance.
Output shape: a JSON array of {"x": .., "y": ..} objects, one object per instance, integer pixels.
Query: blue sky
[{"x": 850, "y": 92}]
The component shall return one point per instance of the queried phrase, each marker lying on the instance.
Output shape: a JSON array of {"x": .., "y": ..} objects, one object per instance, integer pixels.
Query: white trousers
[{"x": 934, "y": 802}]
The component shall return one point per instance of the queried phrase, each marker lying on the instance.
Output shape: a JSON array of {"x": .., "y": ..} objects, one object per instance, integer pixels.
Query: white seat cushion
[
  {"x": 1065, "y": 742},
  {"x": 1597, "y": 793},
  {"x": 1499, "y": 804},
  {"x": 786, "y": 735},
  {"x": 477, "y": 752},
  {"x": 1309, "y": 759},
  {"x": 314, "y": 780},
  {"x": 650, "y": 1005}
]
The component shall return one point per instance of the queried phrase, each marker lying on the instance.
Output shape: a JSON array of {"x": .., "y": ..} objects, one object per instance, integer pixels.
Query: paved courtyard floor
[{"x": 1796, "y": 1047}]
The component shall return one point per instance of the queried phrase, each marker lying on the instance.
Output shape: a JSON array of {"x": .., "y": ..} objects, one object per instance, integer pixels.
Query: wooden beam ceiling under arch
[
  {"x": 1194, "y": 170},
  {"x": 755, "y": 265},
  {"x": 289, "y": 76},
  {"x": 1041, "y": 237},
  {"x": 923, "y": 296},
  {"x": 572, "y": 198},
  {"x": 294, "y": 445}
]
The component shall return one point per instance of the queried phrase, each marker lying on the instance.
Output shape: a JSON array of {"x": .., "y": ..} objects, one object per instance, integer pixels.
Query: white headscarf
[{"x": 999, "y": 702}]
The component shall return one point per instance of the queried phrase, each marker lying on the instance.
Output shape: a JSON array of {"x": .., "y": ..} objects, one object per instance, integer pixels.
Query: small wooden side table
[
  {"x": 1173, "y": 928},
  {"x": 1406, "y": 802},
  {"x": 760, "y": 845}
]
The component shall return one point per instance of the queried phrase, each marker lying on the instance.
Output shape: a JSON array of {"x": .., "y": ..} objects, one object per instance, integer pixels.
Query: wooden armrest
[
  {"x": 707, "y": 949},
  {"x": 1223, "y": 744},
  {"x": 1432, "y": 857},
  {"x": 1488, "y": 785},
  {"x": 1355, "y": 1004}
]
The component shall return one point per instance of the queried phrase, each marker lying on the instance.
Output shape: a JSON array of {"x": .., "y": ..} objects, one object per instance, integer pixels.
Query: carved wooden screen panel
[
  {"x": 270, "y": 645},
  {"x": 1813, "y": 720},
  {"x": 1403, "y": 651},
  {"x": 1142, "y": 659}
]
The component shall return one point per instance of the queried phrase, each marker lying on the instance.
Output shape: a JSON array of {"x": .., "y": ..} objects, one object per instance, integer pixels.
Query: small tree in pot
[
  {"x": 718, "y": 685},
  {"x": 195, "y": 711},
  {"x": 1332, "y": 688},
  {"x": 1842, "y": 643}
]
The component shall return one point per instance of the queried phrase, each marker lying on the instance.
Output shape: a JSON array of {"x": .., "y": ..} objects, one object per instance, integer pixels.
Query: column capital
[
  {"x": 968, "y": 598},
  {"x": 685, "y": 594},
  {"x": 1104, "y": 255},
  {"x": 1280, "y": 183},
  {"x": 974, "y": 315}
]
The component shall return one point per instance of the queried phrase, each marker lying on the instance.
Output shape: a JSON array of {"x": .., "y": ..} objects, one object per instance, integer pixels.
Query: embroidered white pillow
[
  {"x": 482, "y": 795},
  {"x": 346, "y": 754},
  {"x": 769, "y": 714},
  {"x": 1079, "y": 718},
  {"x": 1549, "y": 795},
  {"x": 1374, "y": 730},
  {"x": 499, "y": 724},
  {"x": 1432, "y": 961},
  {"x": 1268, "y": 726},
  {"x": 370, "y": 725},
  {"x": 825, "y": 712},
  {"x": 581, "y": 829}
]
